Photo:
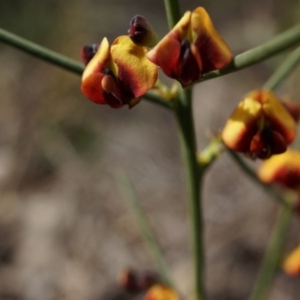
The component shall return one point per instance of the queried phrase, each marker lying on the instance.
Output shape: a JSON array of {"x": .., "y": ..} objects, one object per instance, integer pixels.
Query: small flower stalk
[
  {"x": 260, "y": 126},
  {"x": 117, "y": 75},
  {"x": 193, "y": 47}
]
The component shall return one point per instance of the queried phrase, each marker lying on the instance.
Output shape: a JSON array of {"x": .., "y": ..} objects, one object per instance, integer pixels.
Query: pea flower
[
  {"x": 260, "y": 126},
  {"x": 119, "y": 74},
  {"x": 161, "y": 292},
  {"x": 193, "y": 47},
  {"x": 291, "y": 265},
  {"x": 283, "y": 169}
]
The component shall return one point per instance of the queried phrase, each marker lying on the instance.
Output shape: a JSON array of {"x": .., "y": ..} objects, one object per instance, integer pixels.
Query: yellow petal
[
  {"x": 292, "y": 263},
  {"x": 278, "y": 115},
  {"x": 136, "y": 73},
  {"x": 214, "y": 52},
  {"x": 242, "y": 125},
  {"x": 161, "y": 292},
  {"x": 279, "y": 167},
  {"x": 100, "y": 61},
  {"x": 182, "y": 30}
]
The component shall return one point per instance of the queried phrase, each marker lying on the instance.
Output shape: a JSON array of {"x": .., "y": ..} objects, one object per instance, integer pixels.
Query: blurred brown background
[{"x": 65, "y": 230}]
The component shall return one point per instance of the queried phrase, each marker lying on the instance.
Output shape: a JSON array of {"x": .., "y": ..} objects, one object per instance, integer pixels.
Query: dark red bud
[
  {"x": 141, "y": 33},
  {"x": 88, "y": 52},
  {"x": 128, "y": 281}
]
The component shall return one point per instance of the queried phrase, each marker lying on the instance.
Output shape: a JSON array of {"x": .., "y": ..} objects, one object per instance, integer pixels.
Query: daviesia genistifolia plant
[{"x": 262, "y": 127}]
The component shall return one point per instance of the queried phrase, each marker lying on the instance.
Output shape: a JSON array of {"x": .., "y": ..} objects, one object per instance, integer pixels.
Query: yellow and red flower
[
  {"x": 260, "y": 126},
  {"x": 283, "y": 169},
  {"x": 119, "y": 74},
  {"x": 193, "y": 47},
  {"x": 161, "y": 292},
  {"x": 291, "y": 265}
]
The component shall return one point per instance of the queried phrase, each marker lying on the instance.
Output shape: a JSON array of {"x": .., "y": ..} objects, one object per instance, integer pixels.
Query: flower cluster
[{"x": 121, "y": 73}]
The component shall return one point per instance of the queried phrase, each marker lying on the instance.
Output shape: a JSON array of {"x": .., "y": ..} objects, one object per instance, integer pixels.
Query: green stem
[
  {"x": 173, "y": 12},
  {"x": 286, "y": 67},
  {"x": 255, "y": 55},
  {"x": 144, "y": 226},
  {"x": 194, "y": 180},
  {"x": 248, "y": 171},
  {"x": 41, "y": 52},
  {"x": 273, "y": 255}
]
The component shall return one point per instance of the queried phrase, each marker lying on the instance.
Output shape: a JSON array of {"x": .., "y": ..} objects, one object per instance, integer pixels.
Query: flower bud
[
  {"x": 128, "y": 281},
  {"x": 88, "y": 52},
  {"x": 141, "y": 33}
]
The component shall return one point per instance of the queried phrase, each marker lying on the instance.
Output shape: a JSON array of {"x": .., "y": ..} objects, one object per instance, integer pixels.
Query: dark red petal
[
  {"x": 267, "y": 143},
  {"x": 188, "y": 70},
  {"x": 278, "y": 143}
]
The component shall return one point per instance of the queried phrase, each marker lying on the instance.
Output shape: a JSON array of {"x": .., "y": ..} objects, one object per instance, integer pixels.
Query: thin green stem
[
  {"x": 41, "y": 52},
  {"x": 273, "y": 255},
  {"x": 173, "y": 12},
  {"x": 286, "y": 67},
  {"x": 248, "y": 171},
  {"x": 194, "y": 180},
  {"x": 255, "y": 55},
  {"x": 144, "y": 226}
]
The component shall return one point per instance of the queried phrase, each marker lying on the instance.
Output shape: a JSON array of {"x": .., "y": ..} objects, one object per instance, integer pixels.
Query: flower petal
[
  {"x": 283, "y": 169},
  {"x": 242, "y": 125},
  {"x": 292, "y": 263},
  {"x": 267, "y": 143},
  {"x": 112, "y": 91},
  {"x": 100, "y": 61},
  {"x": 136, "y": 73},
  {"x": 92, "y": 89},
  {"x": 166, "y": 53},
  {"x": 279, "y": 117},
  {"x": 161, "y": 292},
  {"x": 214, "y": 52}
]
